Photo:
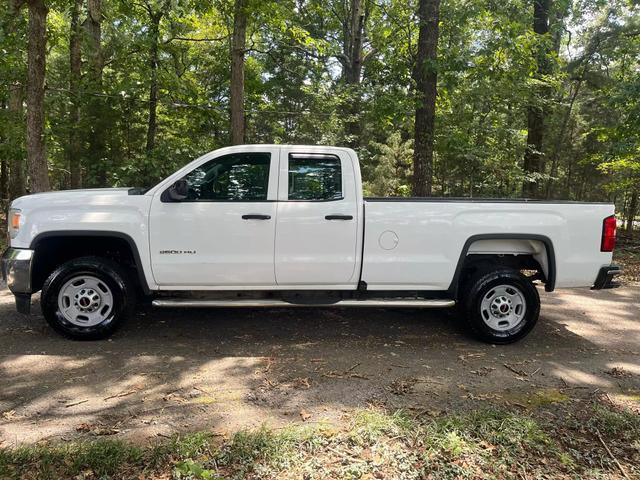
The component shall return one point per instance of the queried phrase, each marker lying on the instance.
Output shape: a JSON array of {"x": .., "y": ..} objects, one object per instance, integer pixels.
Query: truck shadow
[{"x": 170, "y": 371}]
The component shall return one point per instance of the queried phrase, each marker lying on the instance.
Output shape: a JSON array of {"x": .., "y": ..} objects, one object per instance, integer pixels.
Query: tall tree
[
  {"x": 238, "y": 46},
  {"x": 533, "y": 155},
  {"x": 4, "y": 167},
  {"x": 17, "y": 186},
  {"x": 425, "y": 76},
  {"x": 36, "y": 67},
  {"x": 155, "y": 16},
  {"x": 97, "y": 156},
  {"x": 632, "y": 211},
  {"x": 352, "y": 60},
  {"x": 74, "y": 148},
  {"x": 4, "y": 179}
]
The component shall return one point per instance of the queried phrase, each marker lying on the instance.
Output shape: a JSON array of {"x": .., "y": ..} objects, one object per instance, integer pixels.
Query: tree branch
[{"x": 204, "y": 39}]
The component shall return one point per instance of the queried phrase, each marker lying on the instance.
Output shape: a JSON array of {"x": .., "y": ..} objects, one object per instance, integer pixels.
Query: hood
[
  {"x": 64, "y": 197},
  {"x": 99, "y": 209}
]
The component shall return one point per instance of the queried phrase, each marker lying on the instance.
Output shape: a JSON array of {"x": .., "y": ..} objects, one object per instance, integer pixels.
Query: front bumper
[
  {"x": 16, "y": 271},
  {"x": 606, "y": 276}
]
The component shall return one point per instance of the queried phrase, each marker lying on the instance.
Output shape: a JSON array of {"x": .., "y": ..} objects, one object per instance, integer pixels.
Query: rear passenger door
[{"x": 317, "y": 219}]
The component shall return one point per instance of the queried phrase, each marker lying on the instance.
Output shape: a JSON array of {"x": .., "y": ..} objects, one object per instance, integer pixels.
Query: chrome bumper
[{"x": 16, "y": 271}]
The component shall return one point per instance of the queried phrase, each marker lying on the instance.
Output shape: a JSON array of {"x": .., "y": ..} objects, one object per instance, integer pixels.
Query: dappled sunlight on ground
[{"x": 173, "y": 370}]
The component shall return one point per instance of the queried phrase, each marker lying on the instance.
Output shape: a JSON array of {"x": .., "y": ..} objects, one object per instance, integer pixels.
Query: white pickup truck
[{"x": 281, "y": 225}]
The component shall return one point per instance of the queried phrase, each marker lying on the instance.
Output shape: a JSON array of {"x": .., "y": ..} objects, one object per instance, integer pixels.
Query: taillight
[{"x": 608, "y": 234}]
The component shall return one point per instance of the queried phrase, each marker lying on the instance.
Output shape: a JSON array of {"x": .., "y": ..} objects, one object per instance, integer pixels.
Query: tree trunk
[
  {"x": 4, "y": 179},
  {"x": 96, "y": 108},
  {"x": 36, "y": 67},
  {"x": 236, "y": 100},
  {"x": 352, "y": 71},
  {"x": 425, "y": 76},
  {"x": 533, "y": 157},
  {"x": 17, "y": 184},
  {"x": 75, "y": 72},
  {"x": 559, "y": 140},
  {"x": 154, "y": 32},
  {"x": 633, "y": 212},
  {"x": 4, "y": 170}
]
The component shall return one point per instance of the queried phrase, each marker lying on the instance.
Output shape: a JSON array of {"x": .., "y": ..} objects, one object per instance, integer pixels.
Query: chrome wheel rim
[
  {"x": 85, "y": 301},
  {"x": 503, "y": 307}
]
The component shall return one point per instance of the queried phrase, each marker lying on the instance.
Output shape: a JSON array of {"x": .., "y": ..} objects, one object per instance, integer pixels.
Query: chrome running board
[{"x": 250, "y": 303}]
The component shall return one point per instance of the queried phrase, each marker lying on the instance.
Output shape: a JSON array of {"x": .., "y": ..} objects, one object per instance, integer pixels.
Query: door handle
[
  {"x": 256, "y": 216},
  {"x": 339, "y": 217}
]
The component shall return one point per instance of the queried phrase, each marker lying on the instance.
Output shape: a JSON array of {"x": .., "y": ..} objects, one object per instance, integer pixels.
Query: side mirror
[{"x": 179, "y": 190}]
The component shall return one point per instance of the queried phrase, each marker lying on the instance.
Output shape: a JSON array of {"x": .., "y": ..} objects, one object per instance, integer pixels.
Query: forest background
[{"x": 471, "y": 98}]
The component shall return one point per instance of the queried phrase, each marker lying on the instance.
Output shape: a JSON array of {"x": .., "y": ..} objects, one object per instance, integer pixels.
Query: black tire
[
  {"x": 114, "y": 277},
  {"x": 480, "y": 286}
]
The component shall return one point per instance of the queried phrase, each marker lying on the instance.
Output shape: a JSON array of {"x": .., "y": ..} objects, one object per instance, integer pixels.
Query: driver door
[{"x": 222, "y": 234}]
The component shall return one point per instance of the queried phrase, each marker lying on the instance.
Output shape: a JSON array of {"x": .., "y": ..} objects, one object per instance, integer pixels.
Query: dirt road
[{"x": 180, "y": 370}]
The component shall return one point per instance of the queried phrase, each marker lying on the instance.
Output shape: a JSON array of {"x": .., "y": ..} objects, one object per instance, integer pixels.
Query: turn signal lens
[
  {"x": 608, "y": 234},
  {"x": 14, "y": 222}
]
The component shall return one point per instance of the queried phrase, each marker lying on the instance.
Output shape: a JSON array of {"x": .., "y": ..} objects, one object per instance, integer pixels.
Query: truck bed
[{"x": 419, "y": 243}]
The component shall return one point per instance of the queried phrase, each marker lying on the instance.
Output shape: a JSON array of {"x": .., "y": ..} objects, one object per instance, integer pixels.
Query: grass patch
[
  {"x": 370, "y": 424},
  {"x": 100, "y": 459},
  {"x": 488, "y": 443},
  {"x": 485, "y": 444},
  {"x": 623, "y": 424},
  {"x": 264, "y": 451}
]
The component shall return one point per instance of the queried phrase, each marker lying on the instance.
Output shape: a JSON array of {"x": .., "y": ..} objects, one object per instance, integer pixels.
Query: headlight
[{"x": 14, "y": 221}]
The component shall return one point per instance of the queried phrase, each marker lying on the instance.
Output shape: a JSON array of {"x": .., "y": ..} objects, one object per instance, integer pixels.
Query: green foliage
[
  {"x": 104, "y": 459},
  {"x": 189, "y": 469},
  {"x": 392, "y": 171},
  {"x": 621, "y": 423},
  {"x": 295, "y": 91}
]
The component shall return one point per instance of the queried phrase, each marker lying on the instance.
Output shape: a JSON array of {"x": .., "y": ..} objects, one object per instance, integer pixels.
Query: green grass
[
  {"x": 622, "y": 424},
  {"x": 487, "y": 443},
  {"x": 103, "y": 459}
]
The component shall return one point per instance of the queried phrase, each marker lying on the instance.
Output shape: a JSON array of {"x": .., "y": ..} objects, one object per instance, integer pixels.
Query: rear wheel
[
  {"x": 502, "y": 306},
  {"x": 87, "y": 298}
]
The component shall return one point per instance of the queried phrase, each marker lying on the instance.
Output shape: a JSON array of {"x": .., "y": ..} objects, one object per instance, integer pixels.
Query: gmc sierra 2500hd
[{"x": 281, "y": 225}]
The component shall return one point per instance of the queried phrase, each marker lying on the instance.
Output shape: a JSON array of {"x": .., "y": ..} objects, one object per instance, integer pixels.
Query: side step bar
[{"x": 390, "y": 303}]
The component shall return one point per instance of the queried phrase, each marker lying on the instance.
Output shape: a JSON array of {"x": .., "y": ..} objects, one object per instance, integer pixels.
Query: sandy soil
[{"x": 170, "y": 371}]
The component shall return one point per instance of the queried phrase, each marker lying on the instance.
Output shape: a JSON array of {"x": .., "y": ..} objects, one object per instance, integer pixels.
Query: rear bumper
[
  {"x": 606, "y": 276},
  {"x": 16, "y": 271}
]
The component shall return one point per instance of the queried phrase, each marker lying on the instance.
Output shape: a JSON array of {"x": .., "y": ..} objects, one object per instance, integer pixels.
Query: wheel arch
[
  {"x": 94, "y": 242},
  {"x": 497, "y": 244}
]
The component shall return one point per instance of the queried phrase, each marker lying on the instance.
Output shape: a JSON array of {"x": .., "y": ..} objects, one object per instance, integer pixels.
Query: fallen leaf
[{"x": 304, "y": 415}]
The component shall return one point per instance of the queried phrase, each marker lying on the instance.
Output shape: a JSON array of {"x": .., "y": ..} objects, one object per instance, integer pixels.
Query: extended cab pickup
[{"x": 280, "y": 225}]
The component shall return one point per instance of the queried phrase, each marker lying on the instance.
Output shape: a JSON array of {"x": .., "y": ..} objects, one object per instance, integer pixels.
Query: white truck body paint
[
  {"x": 311, "y": 250},
  {"x": 431, "y": 236},
  {"x": 227, "y": 250},
  {"x": 91, "y": 210},
  {"x": 408, "y": 244}
]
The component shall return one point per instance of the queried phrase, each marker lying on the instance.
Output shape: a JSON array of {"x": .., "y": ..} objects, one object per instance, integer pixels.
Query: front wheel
[
  {"x": 502, "y": 306},
  {"x": 87, "y": 298}
]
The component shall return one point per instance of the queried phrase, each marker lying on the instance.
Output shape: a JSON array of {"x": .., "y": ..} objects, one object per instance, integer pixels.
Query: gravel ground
[{"x": 170, "y": 371}]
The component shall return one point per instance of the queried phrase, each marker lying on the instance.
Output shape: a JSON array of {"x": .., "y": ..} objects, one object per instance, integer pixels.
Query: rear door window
[{"x": 315, "y": 177}]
